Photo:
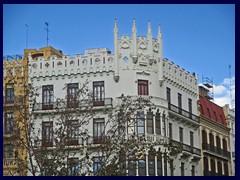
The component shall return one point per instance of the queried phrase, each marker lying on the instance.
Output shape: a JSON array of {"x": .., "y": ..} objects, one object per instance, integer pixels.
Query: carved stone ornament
[
  {"x": 142, "y": 46},
  {"x": 110, "y": 59},
  {"x": 34, "y": 65},
  {"x": 134, "y": 57},
  {"x": 151, "y": 60},
  {"x": 97, "y": 61},
  {"x": 155, "y": 48},
  {"x": 84, "y": 61},
  {"x": 47, "y": 64},
  {"x": 116, "y": 78},
  {"x": 72, "y": 62},
  {"x": 125, "y": 45},
  {"x": 59, "y": 63}
]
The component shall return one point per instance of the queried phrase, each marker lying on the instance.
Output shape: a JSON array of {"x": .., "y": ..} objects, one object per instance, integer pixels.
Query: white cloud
[
  {"x": 226, "y": 81},
  {"x": 220, "y": 89}
]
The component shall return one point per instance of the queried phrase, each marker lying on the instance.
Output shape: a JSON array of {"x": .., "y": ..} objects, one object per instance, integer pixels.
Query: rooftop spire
[
  {"x": 134, "y": 29},
  {"x": 149, "y": 27},
  {"x": 159, "y": 32},
  {"x": 115, "y": 25}
]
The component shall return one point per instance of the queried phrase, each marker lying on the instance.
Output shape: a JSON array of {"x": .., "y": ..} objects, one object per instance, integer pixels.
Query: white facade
[
  {"x": 230, "y": 116},
  {"x": 135, "y": 58}
]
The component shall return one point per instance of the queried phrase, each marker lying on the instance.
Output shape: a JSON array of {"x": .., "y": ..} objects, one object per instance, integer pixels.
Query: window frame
[
  {"x": 47, "y": 97},
  {"x": 98, "y": 124},
  {"x": 47, "y": 140},
  {"x": 143, "y": 89},
  {"x": 98, "y": 93},
  {"x": 72, "y": 91},
  {"x": 9, "y": 93},
  {"x": 9, "y": 123}
]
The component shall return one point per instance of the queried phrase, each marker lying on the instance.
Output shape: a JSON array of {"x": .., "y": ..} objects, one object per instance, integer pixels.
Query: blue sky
[{"x": 199, "y": 38}]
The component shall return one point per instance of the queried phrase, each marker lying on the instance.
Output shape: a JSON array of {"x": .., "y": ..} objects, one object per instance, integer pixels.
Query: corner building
[{"x": 136, "y": 68}]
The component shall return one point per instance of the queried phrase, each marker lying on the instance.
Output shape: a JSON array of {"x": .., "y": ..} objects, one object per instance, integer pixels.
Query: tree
[{"x": 59, "y": 141}]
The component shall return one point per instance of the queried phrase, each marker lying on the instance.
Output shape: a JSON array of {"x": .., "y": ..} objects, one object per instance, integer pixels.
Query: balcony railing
[
  {"x": 78, "y": 104},
  {"x": 216, "y": 150},
  {"x": 9, "y": 162},
  {"x": 183, "y": 112},
  {"x": 233, "y": 154},
  {"x": 13, "y": 100},
  {"x": 186, "y": 147},
  {"x": 211, "y": 173}
]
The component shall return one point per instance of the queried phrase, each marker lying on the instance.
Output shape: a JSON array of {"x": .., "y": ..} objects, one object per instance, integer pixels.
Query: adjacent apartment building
[
  {"x": 215, "y": 137},
  {"x": 136, "y": 68}
]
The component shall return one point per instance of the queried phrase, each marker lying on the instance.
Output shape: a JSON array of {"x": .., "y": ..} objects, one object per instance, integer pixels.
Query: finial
[{"x": 149, "y": 27}]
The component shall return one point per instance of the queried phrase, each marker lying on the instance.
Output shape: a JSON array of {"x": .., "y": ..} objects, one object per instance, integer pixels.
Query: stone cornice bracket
[
  {"x": 134, "y": 57},
  {"x": 161, "y": 82}
]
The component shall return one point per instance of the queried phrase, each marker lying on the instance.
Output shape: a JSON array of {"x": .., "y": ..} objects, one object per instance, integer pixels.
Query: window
[
  {"x": 47, "y": 97},
  {"x": 213, "y": 169},
  {"x": 205, "y": 164},
  {"x": 98, "y": 93},
  {"x": 204, "y": 139},
  {"x": 201, "y": 109},
  {"x": 164, "y": 124},
  {"x": 179, "y": 103},
  {"x": 182, "y": 169},
  {"x": 132, "y": 167},
  {"x": 9, "y": 122},
  {"x": 191, "y": 139},
  {"x": 171, "y": 167},
  {"x": 211, "y": 139},
  {"x": 181, "y": 135},
  {"x": 165, "y": 165},
  {"x": 169, "y": 95},
  {"x": 224, "y": 142},
  {"x": 157, "y": 123},
  {"x": 209, "y": 114},
  {"x": 9, "y": 93},
  {"x": 72, "y": 133},
  {"x": 73, "y": 167},
  {"x": 151, "y": 165},
  {"x": 96, "y": 164},
  {"x": 170, "y": 130},
  {"x": 72, "y": 90},
  {"x": 142, "y": 87},
  {"x": 47, "y": 134},
  {"x": 220, "y": 168},
  {"x": 215, "y": 115},
  {"x": 98, "y": 130},
  {"x": 218, "y": 142},
  {"x": 142, "y": 167},
  {"x": 193, "y": 171},
  {"x": 47, "y": 167},
  {"x": 150, "y": 122},
  {"x": 140, "y": 122},
  {"x": 226, "y": 169},
  {"x": 190, "y": 107},
  {"x": 159, "y": 166},
  {"x": 8, "y": 151}
]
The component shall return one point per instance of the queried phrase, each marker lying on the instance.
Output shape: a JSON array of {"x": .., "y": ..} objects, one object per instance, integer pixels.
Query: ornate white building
[{"x": 137, "y": 68}]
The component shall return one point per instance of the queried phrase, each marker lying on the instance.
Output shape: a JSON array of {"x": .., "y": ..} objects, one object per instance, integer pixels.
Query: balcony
[
  {"x": 186, "y": 148},
  {"x": 211, "y": 173},
  {"x": 216, "y": 150},
  {"x": 16, "y": 100},
  {"x": 107, "y": 102},
  {"x": 183, "y": 113}
]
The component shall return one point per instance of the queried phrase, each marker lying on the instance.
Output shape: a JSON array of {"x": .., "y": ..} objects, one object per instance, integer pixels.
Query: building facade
[
  {"x": 230, "y": 117},
  {"x": 14, "y": 105},
  {"x": 215, "y": 137},
  {"x": 137, "y": 68}
]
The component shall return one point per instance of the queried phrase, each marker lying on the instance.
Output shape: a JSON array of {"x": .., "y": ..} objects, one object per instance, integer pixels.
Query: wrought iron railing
[
  {"x": 186, "y": 147},
  {"x": 66, "y": 104},
  {"x": 7, "y": 162},
  {"x": 216, "y": 150},
  {"x": 183, "y": 112}
]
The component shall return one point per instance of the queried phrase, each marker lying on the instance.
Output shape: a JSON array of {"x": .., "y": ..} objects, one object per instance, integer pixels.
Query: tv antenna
[
  {"x": 230, "y": 89},
  {"x": 47, "y": 31},
  {"x": 26, "y": 36}
]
